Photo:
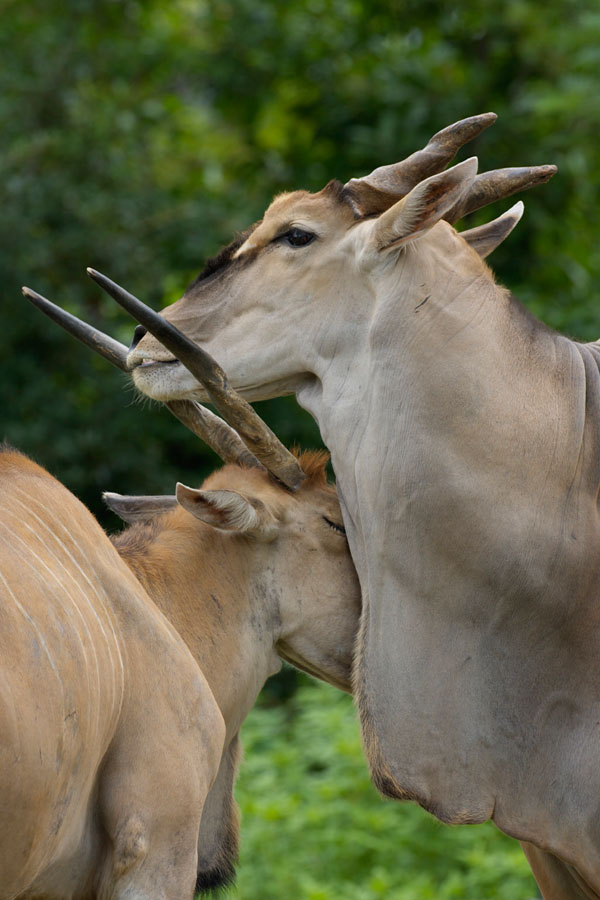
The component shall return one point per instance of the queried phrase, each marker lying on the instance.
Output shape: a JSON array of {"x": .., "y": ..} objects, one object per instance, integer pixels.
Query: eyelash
[{"x": 339, "y": 528}]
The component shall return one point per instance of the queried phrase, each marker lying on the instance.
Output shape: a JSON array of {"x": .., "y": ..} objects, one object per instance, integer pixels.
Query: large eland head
[{"x": 279, "y": 302}]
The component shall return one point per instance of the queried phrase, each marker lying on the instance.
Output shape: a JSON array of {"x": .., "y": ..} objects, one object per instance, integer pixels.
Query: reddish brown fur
[{"x": 314, "y": 465}]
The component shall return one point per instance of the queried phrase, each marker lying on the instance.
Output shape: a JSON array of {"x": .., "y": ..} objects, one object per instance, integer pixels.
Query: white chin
[
  {"x": 174, "y": 382},
  {"x": 168, "y": 383}
]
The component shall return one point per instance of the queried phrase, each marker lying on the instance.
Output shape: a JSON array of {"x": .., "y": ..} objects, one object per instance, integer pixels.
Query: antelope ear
[
  {"x": 485, "y": 238},
  {"x": 137, "y": 509},
  {"x": 422, "y": 207},
  {"x": 228, "y": 511}
]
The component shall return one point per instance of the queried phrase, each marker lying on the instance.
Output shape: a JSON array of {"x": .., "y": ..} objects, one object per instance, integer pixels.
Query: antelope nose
[{"x": 138, "y": 334}]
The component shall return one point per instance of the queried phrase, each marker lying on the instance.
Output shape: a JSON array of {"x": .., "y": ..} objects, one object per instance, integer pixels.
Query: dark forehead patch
[{"x": 223, "y": 257}]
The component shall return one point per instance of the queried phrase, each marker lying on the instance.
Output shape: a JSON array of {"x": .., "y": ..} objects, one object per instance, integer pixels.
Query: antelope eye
[
  {"x": 334, "y": 525},
  {"x": 296, "y": 237}
]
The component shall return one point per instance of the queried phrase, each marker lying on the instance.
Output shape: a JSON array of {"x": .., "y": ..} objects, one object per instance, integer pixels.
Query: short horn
[
  {"x": 257, "y": 436},
  {"x": 106, "y": 346},
  {"x": 386, "y": 185},
  {"x": 485, "y": 238},
  {"x": 219, "y": 436},
  {"x": 497, "y": 184}
]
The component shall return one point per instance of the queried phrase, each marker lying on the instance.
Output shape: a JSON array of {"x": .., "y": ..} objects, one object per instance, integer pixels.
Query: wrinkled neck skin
[
  {"x": 231, "y": 627},
  {"x": 477, "y": 535}
]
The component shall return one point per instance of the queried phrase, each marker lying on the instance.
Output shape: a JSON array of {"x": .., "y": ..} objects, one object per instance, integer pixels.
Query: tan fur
[{"x": 97, "y": 692}]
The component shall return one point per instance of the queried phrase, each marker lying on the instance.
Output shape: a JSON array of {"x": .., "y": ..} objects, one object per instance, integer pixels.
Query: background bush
[{"x": 137, "y": 137}]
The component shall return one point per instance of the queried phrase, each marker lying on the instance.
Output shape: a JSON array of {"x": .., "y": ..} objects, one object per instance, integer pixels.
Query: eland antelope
[{"x": 465, "y": 438}]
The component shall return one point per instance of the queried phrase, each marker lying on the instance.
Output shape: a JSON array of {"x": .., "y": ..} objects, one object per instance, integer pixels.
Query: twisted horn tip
[
  {"x": 467, "y": 128},
  {"x": 487, "y": 118}
]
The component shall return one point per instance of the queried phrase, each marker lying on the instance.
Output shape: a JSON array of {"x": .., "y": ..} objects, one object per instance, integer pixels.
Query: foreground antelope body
[
  {"x": 247, "y": 572},
  {"x": 465, "y": 437},
  {"x": 110, "y": 738}
]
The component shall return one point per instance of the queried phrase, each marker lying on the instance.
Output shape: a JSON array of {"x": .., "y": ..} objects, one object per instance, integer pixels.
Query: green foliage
[{"x": 314, "y": 828}]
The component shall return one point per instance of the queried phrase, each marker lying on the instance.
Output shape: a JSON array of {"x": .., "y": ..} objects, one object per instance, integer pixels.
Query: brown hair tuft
[{"x": 313, "y": 464}]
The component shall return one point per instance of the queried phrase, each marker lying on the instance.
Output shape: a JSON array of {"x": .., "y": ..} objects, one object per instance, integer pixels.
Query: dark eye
[
  {"x": 296, "y": 237},
  {"x": 339, "y": 528}
]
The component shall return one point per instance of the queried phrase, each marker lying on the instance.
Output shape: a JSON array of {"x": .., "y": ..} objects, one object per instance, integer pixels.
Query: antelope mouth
[
  {"x": 165, "y": 379},
  {"x": 148, "y": 362}
]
